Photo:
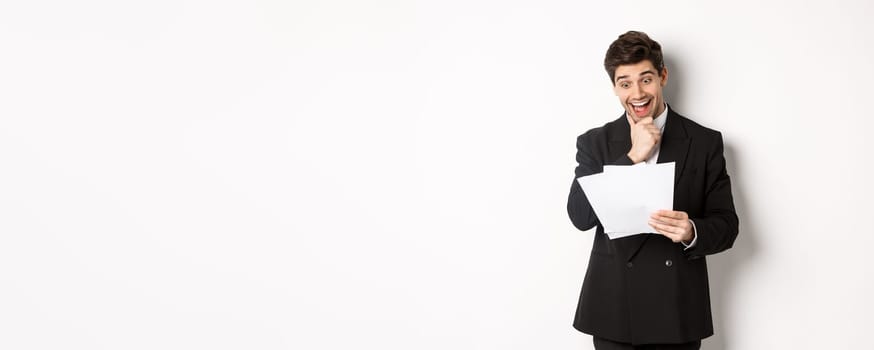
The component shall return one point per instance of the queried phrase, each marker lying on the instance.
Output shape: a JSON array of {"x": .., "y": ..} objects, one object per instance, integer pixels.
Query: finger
[
  {"x": 653, "y": 133},
  {"x": 666, "y": 228},
  {"x": 670, "y": 235},
  {"x": 667, "y": 220},
  {"x": 672, "y": 214},
  {"x": 647, "y": 120},
  {"x": 676, "y": 238},
  {"x": 631, "y": 121}
]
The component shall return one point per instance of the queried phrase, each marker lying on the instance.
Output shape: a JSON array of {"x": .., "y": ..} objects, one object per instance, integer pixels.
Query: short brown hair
[{"x": 631, "y": 48}]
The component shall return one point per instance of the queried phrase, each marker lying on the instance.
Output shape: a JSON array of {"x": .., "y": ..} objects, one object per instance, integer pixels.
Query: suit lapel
[
  {"x": 675, "y": 144},
  {"x": 619, "y": 138}
]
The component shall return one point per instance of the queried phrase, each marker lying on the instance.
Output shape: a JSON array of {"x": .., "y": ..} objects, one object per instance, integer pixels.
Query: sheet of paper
[{"x": 623, "y": 197}]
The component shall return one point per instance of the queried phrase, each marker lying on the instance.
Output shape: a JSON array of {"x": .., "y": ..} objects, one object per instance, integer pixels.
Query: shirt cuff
[{"x": 694, "y": 235}]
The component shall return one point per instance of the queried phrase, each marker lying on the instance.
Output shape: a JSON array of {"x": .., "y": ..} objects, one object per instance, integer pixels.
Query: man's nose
[{"x": 637, "y": 91}]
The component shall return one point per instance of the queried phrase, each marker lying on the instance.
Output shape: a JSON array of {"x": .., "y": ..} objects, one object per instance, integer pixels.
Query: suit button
[
  {"x": 668, "y": 263},
  {"x": 629, "y": 264}
]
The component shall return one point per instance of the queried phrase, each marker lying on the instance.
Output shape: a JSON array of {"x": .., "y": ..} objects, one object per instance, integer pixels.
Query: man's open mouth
[{"x": 641, "y": 108}]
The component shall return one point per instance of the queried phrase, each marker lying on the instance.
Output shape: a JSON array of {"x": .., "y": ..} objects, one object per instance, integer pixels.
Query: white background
[{"x": 394, "y": 174}]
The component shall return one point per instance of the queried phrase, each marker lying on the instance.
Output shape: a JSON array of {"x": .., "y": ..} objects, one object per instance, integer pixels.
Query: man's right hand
[{"x": 644, "y": 138}]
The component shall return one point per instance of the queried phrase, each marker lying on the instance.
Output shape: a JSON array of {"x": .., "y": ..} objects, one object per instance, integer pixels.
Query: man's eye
[
  {"x": 647, "y": 81},
  {"x": 625, "y": 85}
]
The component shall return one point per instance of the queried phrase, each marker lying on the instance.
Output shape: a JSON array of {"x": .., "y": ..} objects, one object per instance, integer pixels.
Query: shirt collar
[{"x": 661, "y": 119}]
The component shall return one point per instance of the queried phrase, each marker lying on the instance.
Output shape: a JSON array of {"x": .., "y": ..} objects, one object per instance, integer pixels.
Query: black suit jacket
[{"x": 645, "y": 289}]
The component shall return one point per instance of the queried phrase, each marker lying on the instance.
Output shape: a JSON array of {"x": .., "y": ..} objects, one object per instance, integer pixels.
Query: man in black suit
[{"x": 650, "y": 291}]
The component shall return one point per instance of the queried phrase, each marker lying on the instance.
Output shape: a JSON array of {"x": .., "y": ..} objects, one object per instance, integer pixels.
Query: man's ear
[{"x": 664, "y": 76}]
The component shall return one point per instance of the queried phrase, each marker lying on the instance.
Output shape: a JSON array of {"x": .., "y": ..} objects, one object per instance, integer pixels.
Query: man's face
[{"x": 639, "y": 88}]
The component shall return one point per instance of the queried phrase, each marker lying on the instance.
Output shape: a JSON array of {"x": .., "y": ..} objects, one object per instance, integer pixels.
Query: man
[{"x": 650, "y": 291}]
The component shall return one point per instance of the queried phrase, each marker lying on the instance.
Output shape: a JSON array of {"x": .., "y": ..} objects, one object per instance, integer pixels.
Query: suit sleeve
[
  {"x": 717, "y": 227},
  {"x": 578, "y": 208}
]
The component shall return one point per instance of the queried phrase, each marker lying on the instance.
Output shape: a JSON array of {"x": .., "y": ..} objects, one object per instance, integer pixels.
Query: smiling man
[{"x": 650, "y": 291}]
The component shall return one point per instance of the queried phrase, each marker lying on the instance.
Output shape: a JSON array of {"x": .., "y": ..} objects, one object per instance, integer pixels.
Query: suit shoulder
[
  {"x": 696, "y": 129},
  {"x": 598, "y": 134},
  {"x": 591, "y": 135}
]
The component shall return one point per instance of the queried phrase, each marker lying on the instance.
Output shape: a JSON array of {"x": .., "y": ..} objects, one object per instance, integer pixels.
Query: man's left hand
[{"x": 673, "y": 224}]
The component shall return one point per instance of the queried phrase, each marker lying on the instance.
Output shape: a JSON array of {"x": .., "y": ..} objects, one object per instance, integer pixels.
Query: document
[{"x": 624, "y": 196}]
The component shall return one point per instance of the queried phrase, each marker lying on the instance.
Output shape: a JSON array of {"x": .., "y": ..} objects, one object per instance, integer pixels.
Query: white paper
[{"x": 623, "y": 197}]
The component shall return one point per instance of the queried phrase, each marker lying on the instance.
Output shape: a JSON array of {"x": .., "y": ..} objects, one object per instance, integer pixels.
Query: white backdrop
[{"x": 393, "y": 174}]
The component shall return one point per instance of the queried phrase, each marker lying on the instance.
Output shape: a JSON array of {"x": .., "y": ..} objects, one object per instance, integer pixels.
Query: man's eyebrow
[{"x": 641, "y": 74}]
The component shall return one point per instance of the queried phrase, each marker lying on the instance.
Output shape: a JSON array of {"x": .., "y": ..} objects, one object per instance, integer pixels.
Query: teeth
[{"x": 640, "y": 104}]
